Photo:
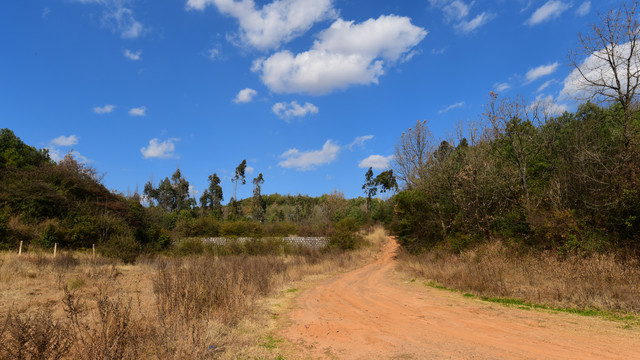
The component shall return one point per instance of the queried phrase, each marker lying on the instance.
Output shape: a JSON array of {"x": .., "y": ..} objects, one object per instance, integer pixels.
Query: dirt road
[{"x": 370, "y": 313}]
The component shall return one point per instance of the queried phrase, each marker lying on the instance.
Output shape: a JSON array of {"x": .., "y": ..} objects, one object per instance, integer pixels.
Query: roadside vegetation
[
  {"x": 529, "y": 203},
  {"x": 74, "y": 306}
]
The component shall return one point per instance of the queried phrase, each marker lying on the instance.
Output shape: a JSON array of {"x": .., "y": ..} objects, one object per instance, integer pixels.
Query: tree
[
  {"x": 516, "y": 138},
  {"x": 212, "y": 197},
  {"x": 239, "y": 176},
  {"x": 369, "y": 187},
  {"x": 15, "y": 153},
  {"x": 607, "y": 62},
  {"x": 412, "y": 152},
  {"x": 387, "y": 181},
  {"x": 181, "y": 190},
  {"x": 259, "y": 205}
]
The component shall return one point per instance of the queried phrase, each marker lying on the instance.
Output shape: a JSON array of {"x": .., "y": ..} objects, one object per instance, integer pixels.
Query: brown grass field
[
  {"x": 609, "y": 282},
  {"x": 76, "y": 307}
]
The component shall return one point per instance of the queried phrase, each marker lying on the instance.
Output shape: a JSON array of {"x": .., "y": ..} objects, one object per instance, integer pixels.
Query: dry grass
[
  {"x": 608, "y": 282},
  {"x": 198, "y": 307}
]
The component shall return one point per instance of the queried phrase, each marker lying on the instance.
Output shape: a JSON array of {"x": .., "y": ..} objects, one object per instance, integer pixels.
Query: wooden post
[
  {"x": 55, "y": 248},
  {"x": 94, "y": 251},
  {"x": 20, "y": 250}
]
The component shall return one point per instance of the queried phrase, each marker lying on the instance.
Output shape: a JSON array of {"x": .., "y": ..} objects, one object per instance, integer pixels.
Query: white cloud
[
  {"x": 160, "y": 149},
  {"x": 359, "y": 141},
  {"x": 57, "y": 155},
  {"x": 275, "y": 23},
  {"x": 458, "y": 11},
  {"x": 550, "y": 10},
  {"x": 104, "y": 110},
  {"x": 597, "y": 70},
  {"x": 65, "y": 140},
  {"x": 45, "y": 12},
  {"x": 438, "y": 51},
  {"x": 584, "y": 8},
  {"x": 455, "y": 10},
  {"x": 451, "y": 107},
  {"x": 287, "y": 111},
  {"x": 550, "y": 105},
  {"x": 245, "y": 96},
  {"x": 309, "y": 160},
  {"x": 499, "y": 87},
  {"x": 345, "y": 54},
  {"x": 213, "y": 54},
  {"x": 470, "y": 25},
  {"x": 377, "y": 162},
  {"x": 249, "y": 169},
  {"x": 118, "y": 17},
  {"x": 139, "y": 111},
  {"x": 545, "y": 85},
  {"x": 540, "y": 71},
  {"x": 135, "y": 56}
]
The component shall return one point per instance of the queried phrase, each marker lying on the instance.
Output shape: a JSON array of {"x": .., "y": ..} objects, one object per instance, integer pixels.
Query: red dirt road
[{"x": 369, "y": 313}]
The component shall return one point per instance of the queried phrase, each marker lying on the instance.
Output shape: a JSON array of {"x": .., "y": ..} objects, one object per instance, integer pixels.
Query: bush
[
  {"x": 345, "y": 236},
  {"x": 121, "y": 246}
]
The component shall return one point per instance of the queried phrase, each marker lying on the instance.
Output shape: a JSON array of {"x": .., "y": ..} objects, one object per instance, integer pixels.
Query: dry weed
[{"x": 604, "y": 281}]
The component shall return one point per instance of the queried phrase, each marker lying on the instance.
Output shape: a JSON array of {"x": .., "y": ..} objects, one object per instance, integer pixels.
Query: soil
[{"x": 371, "y": 313}]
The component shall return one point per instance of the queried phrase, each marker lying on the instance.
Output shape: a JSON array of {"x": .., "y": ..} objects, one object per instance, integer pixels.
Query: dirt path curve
[{"x": 369, "y": 313}]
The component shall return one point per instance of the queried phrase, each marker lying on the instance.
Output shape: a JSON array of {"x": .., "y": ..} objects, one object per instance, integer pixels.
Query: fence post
[
  {"x": 55, "y": 249},
  {"x": 94, "y": 251},
  {"x": 20, "y": 250}
]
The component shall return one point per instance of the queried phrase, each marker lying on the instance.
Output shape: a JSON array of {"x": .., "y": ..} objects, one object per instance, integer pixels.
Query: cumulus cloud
[
  {"x": 249, "y": 169},
  {"x": 597, "y": 70},
  {"x": 540, "y": 71},
  {"x": 457, "y": 12},
  {"x": 245, "y": 96},
  {"x": 65, "y": 140},
  {"x": 451, "y": 107},
  {"x": 118, "y": 17},
  {"x": 275, "y": 23},
  {"x": 377, "y": 162},
  {"x": 550, "y": 10},
  {"x": 359, "y": 141},
  {"x": 160, "y": 149},
  {"x": 584, "y": 8},
  {"x": 499, "y": 87},
  {"x": 104, "y": 110},
  {"x": 287, "y": 111},
  {"x": 135, "y": 56},
  {"x": 345, "y": 54},
  {"x": 309, "y": 160},
  {"x": 139, "y": 111}
]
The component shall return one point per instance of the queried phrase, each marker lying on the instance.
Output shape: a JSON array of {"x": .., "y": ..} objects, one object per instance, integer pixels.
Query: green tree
[
  {"x": 259, "y": 206},
  {"x": 239, "y": 177},
  {"x": 16, "y": 154},
  {"x": 370, "y": 188},
  {"x": 212, "y": 197}
]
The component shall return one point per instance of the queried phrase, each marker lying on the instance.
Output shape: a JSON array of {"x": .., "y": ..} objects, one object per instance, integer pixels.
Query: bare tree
[
  {"x": 607, "y": 61},
  {"x": 412, "y": 153}
]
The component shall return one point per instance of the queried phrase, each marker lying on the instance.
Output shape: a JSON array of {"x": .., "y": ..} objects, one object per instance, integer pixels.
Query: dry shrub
[
  {"x": 203, "y": 304},
  {"x": 37, "y": 336},
  {"x": 604, "y": 281}
]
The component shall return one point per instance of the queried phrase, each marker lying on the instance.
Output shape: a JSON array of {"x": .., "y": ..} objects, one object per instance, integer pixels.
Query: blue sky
[{"x": 310, "y": 92}]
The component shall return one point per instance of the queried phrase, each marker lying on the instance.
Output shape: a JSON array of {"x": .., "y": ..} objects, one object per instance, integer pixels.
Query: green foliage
[
  {"x": 121, "y": 246},
  {"x": 569, "y": 183},
  {"x": 16, "y": 154},
  {"x": 345, "y": 236}
]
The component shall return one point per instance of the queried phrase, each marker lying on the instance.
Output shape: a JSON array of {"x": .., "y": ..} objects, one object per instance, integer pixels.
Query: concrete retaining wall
[{"x": 313, "y": 242}]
